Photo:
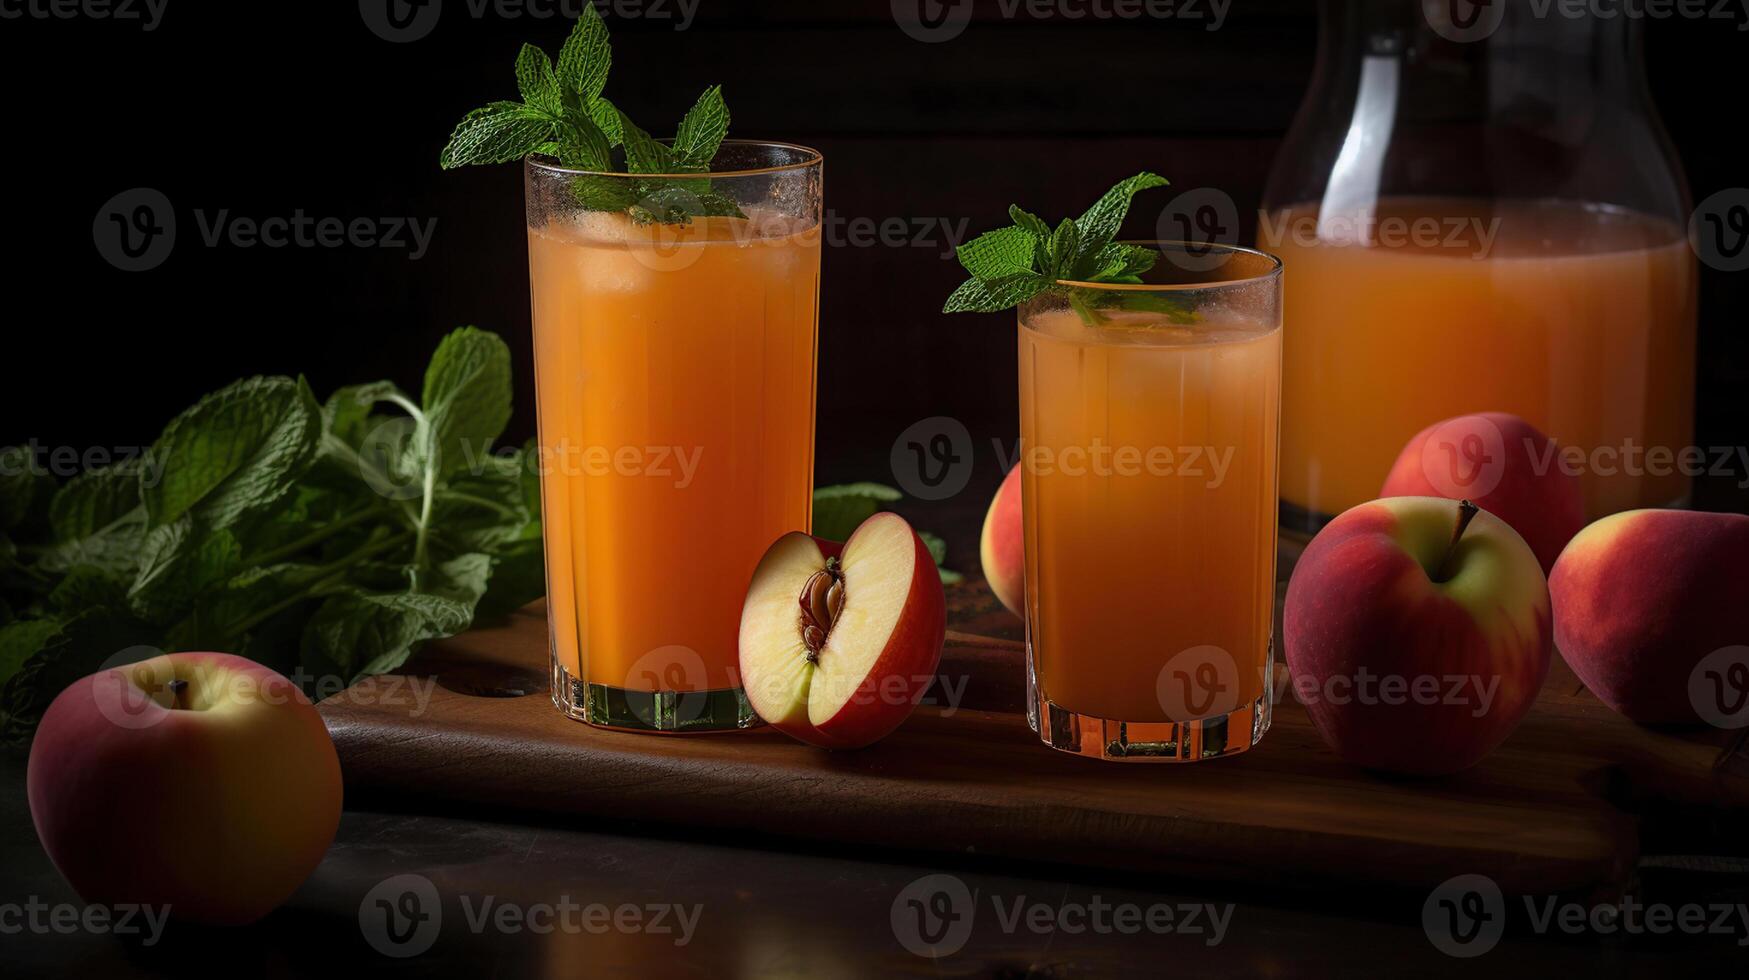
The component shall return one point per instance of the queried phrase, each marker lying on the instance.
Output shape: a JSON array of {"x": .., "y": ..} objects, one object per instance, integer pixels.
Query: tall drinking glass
[
  {"x": 1148, "y": 418},
  {"x": 674, "y": 368}
]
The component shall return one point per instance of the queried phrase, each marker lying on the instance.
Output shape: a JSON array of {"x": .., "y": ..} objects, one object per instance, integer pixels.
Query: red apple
[
  {"x": 200, "y": 781},
  {"x": 1417, "y": 631},
  {"x": 1505, "y": 466},
  {"x": 836, "y": 652},
  {"x": 1642, "y": 597},
  {"x": 1003, "y": 545}
]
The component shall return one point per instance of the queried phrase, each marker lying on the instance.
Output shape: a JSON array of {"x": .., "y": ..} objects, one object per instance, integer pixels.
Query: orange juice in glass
[
  {"x": 1149, "y": 419},
  {"x": 674, "y": 368},
  {"x": 1578, "y": 317}
]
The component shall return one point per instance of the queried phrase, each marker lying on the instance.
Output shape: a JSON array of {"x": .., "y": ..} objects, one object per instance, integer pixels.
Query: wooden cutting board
[{"x": 1563, "y": 806}]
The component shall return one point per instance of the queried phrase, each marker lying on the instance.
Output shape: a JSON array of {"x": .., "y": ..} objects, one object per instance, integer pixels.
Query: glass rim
[
  {"x": 810, "y": 158},
  {"x": 1273, "y": 272}
]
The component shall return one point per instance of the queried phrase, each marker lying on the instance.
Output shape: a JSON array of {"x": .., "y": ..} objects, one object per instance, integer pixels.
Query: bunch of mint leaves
[
  {"x": 326, "y": 540},
  {"x": 564, "y": 115},
  {"x": 1014, "y": 265}
]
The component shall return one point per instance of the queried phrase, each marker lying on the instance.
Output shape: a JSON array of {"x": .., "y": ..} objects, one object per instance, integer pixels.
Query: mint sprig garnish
[
  {"x": 564, "y": 115},
  {"x": 325, "y": 539},
  {"x": 1013, "y": 265}
]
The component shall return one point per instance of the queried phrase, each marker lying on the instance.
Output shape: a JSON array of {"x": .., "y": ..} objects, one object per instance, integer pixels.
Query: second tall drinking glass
[
  {"x": 1149, "y": 421},
  {"x": 674, "y": 364}
]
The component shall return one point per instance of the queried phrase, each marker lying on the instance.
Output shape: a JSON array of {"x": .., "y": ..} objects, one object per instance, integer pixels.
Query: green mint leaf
[
  {"x": 979, "y": 296},
  {"x": 676, "y": 202},
  {"x": 1101, "y": 222},
  {"x": 1012, "y": 265},
  {"x": 607, "y": 119},
  {"x": 97, "y": 521},
  {"x": 586, "y": 56},
  {"x": 498, "y": 133},
  {"x": 20, "y": 641},
  {"x": 713, "y": 204},
  {"x": 1117, "y": 262},
  {"x": 178, "y": 562},
  {"x": 839, "y": 509},
  {"x": 536, "y": 82},
  {"x": 77, "y": 648},
  {"x": 88, "y": 587},
  {"x": 24, "y": 486},
  {"x": 938, "y": 551},
  {"x": 466, "y": 396},
  {"x": 238, "y": 449},
  {"x": 701, "y": 131},
  {"x": 583, "y": 146},
  {"x": 937, "y": 547},
  {"x": 643, "y": 154},
  {"x": 998, "y": 254},
  {"x": 360, "y": 633},
  {"x": 1031, "y": 223},
  {"x": 347, "y": 413},
  {"x": 604, "y": 193},
  {"x": 1145, "y": 301},
  {"x": 1064, "y": 249}
]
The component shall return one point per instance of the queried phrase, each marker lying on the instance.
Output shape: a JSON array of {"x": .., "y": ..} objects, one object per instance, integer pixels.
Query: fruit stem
[
  {"x": 1466, "y": 512},
  {"x": 179, "y": 694}
]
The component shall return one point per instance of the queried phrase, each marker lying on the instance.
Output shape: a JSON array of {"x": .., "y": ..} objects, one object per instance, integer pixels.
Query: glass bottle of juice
[{"x": 1478, "y": 210}]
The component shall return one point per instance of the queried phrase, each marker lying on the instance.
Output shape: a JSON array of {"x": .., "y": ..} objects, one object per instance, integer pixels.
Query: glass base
[
  {"x": 1152, "y": 741},
  {"x": 659, "y": 712},
  {"x": 1149, "y": 741}
]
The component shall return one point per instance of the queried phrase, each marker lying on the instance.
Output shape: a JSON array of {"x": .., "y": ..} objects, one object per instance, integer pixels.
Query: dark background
[{"x": 264, "y": 109}]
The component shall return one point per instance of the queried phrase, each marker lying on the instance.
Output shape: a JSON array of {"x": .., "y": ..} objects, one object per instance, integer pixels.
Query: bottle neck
[{"x": 1532, "y": 49}]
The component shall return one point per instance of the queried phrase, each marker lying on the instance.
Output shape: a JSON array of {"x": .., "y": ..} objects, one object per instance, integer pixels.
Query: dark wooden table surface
[
  {"x": 761, "y": 911},
  {"x": 774, "y": 907}
]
